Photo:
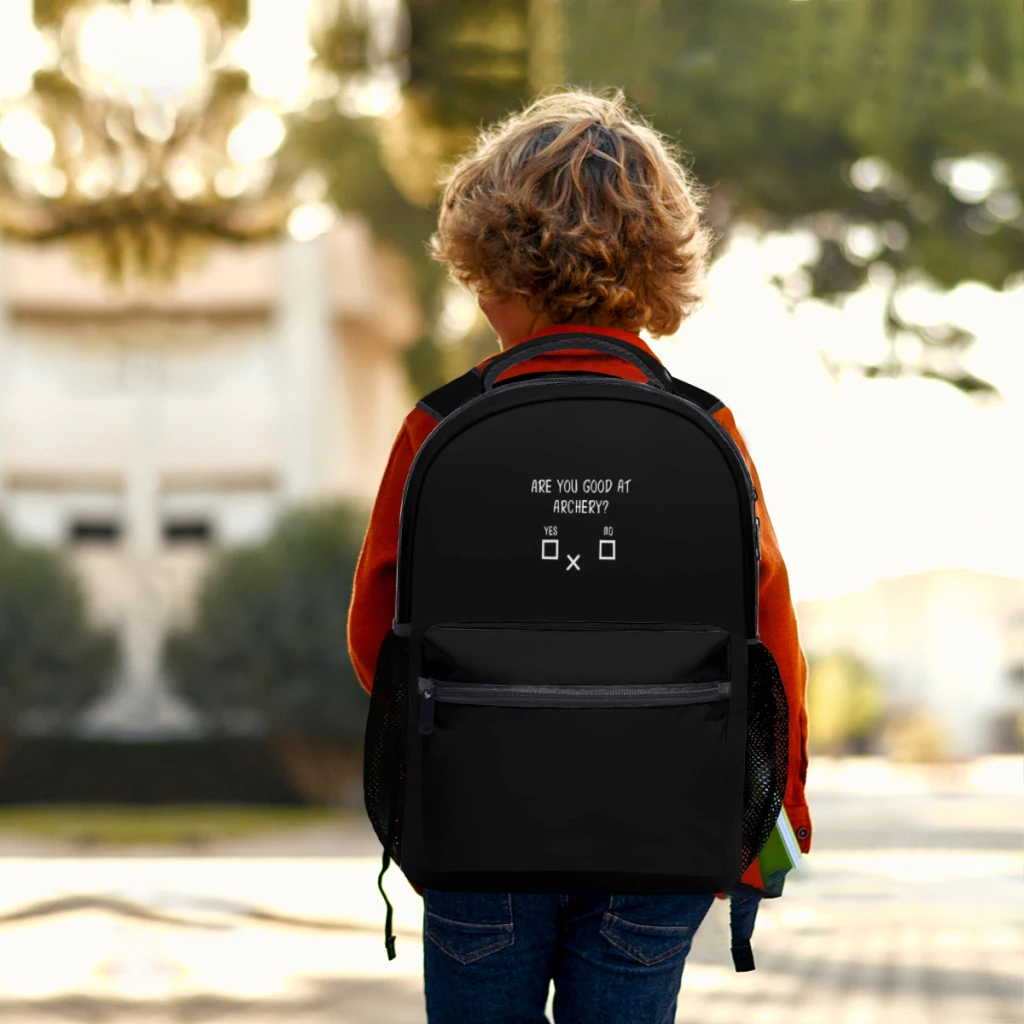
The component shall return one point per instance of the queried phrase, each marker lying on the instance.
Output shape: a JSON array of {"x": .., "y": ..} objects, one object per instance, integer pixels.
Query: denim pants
[{"x": 489, "y": 957}]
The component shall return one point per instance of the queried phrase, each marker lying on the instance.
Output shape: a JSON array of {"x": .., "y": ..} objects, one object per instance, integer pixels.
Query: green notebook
[{"x": 781, "y": 852}]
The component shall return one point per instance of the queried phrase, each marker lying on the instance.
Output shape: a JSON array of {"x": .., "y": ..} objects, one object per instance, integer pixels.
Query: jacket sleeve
[
  {"x": 372, "y": 608},
  {"x": 778, "y": 629}
]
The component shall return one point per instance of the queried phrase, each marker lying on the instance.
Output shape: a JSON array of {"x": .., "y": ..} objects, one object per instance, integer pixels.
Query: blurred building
[
  {"x": 949, "y": 642},
  {"x": 142, "y": 430}
]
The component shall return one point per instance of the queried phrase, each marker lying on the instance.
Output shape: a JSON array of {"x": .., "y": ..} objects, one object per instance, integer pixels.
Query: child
[{"x": 573, "y": 212}]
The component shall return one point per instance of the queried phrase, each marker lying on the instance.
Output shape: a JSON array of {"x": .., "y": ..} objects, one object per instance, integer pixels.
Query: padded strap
[
  {"x": 652, "y": 369},
  {"x": 707, "y": 401},
  {"x": 443, "y": 401}
]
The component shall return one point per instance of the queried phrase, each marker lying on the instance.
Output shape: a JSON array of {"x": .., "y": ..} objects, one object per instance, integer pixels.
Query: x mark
[{"x": 574, "y": 563}]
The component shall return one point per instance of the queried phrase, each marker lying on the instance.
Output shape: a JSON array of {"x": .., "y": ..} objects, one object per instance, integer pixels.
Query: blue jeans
[{"x": 489, "y": 957}]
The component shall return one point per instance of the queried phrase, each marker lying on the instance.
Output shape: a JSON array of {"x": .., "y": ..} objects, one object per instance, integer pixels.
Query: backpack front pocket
[{"x": 570, "y": 748}]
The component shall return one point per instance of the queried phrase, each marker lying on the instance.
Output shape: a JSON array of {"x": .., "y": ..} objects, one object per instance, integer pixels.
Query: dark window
[
  {"x": 188, "y": 531},
  {"x": 95, "y": 531}
]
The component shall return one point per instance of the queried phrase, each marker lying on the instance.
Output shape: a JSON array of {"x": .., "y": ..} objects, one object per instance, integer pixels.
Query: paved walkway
[{"x": 908, "y": 912}]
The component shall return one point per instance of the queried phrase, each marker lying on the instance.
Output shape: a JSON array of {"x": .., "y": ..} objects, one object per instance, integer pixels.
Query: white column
[
  {"x": 141, "y": 697},
  {"x": 305, "y": 333}
]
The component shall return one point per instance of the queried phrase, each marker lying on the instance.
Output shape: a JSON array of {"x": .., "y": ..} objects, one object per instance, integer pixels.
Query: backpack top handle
[{"x": 655, "y": 373}]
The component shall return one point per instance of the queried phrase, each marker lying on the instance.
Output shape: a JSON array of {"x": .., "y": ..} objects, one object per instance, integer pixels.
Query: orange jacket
[{"x": 373, "y": 594}]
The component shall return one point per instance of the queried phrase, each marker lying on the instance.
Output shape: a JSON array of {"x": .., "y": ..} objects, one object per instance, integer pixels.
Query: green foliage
[
  {"x": 469, "y": 63},
  {"x": 52, "y": 663},
  {"x": 844, "y": 702},
  {"x": 48, "y": 13},
  {"x": 835, "y": 116},
  {"x": 847, "y": 117},
  {"x": 820, "y": 114},
  {"x": 777, "y": 100},
  {"x": 469, "y": 59},
  {"x": 349, "y": 154},
  {"x": 269, "y": 636},
  {"x": 230, "y": 12}
]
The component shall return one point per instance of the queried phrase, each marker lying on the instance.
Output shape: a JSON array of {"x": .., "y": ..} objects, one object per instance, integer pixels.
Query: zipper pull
[
  {"x": 426, "y": 689},
  {"x": 757, "y": 535}
]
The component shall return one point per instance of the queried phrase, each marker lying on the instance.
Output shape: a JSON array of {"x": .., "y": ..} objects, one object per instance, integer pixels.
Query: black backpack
[{"x": 573, "y": 696}]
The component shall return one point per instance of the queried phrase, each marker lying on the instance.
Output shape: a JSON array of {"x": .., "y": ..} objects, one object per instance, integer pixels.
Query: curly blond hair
[{"x": 582, "y": 208}]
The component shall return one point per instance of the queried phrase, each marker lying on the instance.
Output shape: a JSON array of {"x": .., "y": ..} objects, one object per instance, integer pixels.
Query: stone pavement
[{"x": 909, "y": 911}]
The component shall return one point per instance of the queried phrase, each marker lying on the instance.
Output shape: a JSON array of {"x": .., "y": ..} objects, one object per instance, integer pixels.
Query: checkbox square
[
  {"x": 606, "y": 550},
  {"x": 549, "y": 550}
]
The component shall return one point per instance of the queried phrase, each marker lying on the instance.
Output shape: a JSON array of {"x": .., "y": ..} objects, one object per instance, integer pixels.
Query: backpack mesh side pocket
[
  {"x": 384, "y": 749},
  {"x": 767, "y": 756}
]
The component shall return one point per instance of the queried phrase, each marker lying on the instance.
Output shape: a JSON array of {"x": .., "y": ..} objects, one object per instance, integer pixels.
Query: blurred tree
[
  {"x": 53, "y": 664},
  {"x": 468, "y": 63},
  {"x": 348, "y": 152},
  {"x": 844, "y": 703},
  {"x": 267, "y": 649},
  {"x": 891, "y": 129},
  {"x": 50, "y": 13},
  {"x": 267, "y": 645},
  {"x": 915, "y": 734}
]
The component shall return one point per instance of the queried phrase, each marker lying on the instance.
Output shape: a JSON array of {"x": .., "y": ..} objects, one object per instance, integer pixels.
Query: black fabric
[
  {"x": 629, "y": 792},
  {"x": 569, "y": 654},
  {"x": 443, "y": 401},
  {"x": 707, "y": 401},
  {"x": 389, "y": 916},
  {"x": 471, "y": 543},
  {"x": 743, "y": 907},
  {"x": 384, "y": 751},
  {"x": 574, "y": 531},
  {"x": 767, "y": 755},
  {"x": 743, "y": 957},
  {"x": 522, "y": 378}
]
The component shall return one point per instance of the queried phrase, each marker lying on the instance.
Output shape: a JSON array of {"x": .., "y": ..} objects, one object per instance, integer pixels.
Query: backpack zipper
[{"x": 495, "y": 695}]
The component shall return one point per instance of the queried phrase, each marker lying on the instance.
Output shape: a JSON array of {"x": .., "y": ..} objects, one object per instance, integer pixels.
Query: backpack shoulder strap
[
  {"x": 707, "y": 401},
  {"x": 443, "y": 401}
]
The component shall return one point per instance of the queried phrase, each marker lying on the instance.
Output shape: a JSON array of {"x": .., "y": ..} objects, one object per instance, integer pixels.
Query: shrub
[
  {"x": 267, "y": 649},
  {"x": 844, "y": 703},
  {"x": 53, "y": 664}
]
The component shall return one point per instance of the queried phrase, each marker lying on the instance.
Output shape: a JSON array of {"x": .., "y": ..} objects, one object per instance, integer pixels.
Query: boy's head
[{"x": 581, "y": 210}]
